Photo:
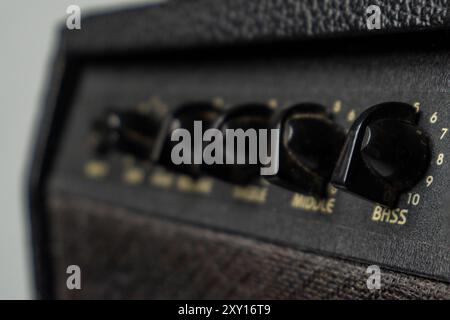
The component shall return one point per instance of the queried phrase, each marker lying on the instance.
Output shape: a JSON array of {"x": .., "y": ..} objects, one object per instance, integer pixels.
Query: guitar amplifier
[{"x": 356, "y": 95}]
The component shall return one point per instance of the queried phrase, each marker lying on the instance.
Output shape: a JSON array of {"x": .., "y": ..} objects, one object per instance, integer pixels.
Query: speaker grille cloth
[{"x": 127, "y": 254}]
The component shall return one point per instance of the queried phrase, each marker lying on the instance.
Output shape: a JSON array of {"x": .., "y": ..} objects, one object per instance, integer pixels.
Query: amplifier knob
[
  {"x": 385, "y": 154},
  {"x": 126, "y": 131},
  {"x": 248, "y": 116},
  {"x": 183, "y": 117},
  {"x": 309, "y": 146}
]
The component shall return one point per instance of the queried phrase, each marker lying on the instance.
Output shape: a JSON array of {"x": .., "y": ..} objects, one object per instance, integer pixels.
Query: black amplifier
[{"x": 360, "y": 190}]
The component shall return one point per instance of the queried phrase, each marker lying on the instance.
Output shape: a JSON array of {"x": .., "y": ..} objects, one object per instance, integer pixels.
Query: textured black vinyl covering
[
  {"x": 187, "y": 23},
  {"x": 182, "y": 23}
]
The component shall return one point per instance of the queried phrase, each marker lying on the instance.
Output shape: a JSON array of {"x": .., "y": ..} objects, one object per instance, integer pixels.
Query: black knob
[
  {"x": 126, "y": 131},
  {"x": 184, "y": 117},
  {"x": 309, "y": 146},
  {"x": 243, "y": 117},
  {"x": 385, "y": 154}
]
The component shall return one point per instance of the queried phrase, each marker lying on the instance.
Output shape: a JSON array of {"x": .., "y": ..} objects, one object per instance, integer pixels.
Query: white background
[{"x": 27, "y": 39}]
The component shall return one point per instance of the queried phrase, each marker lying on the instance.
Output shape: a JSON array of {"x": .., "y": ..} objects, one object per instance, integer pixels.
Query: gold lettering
[
  {"x": 96, "y": 169},
  {"x": 376, "y": 215},
  {"x": 403, "y": 214},
  {"x": 162, "y": 179},
  {"x": 310, "y": 203},
  {"x": 133, "y": 175},
  {"x": 392, "y": 216},
  {"x": 385, "y": 215},
  {"x": 250, "y": 193},
  {"x": 188, "y": 184}
]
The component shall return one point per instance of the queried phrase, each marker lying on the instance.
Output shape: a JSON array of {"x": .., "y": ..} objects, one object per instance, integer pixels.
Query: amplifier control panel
[{"x": 362, "y": 143}]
